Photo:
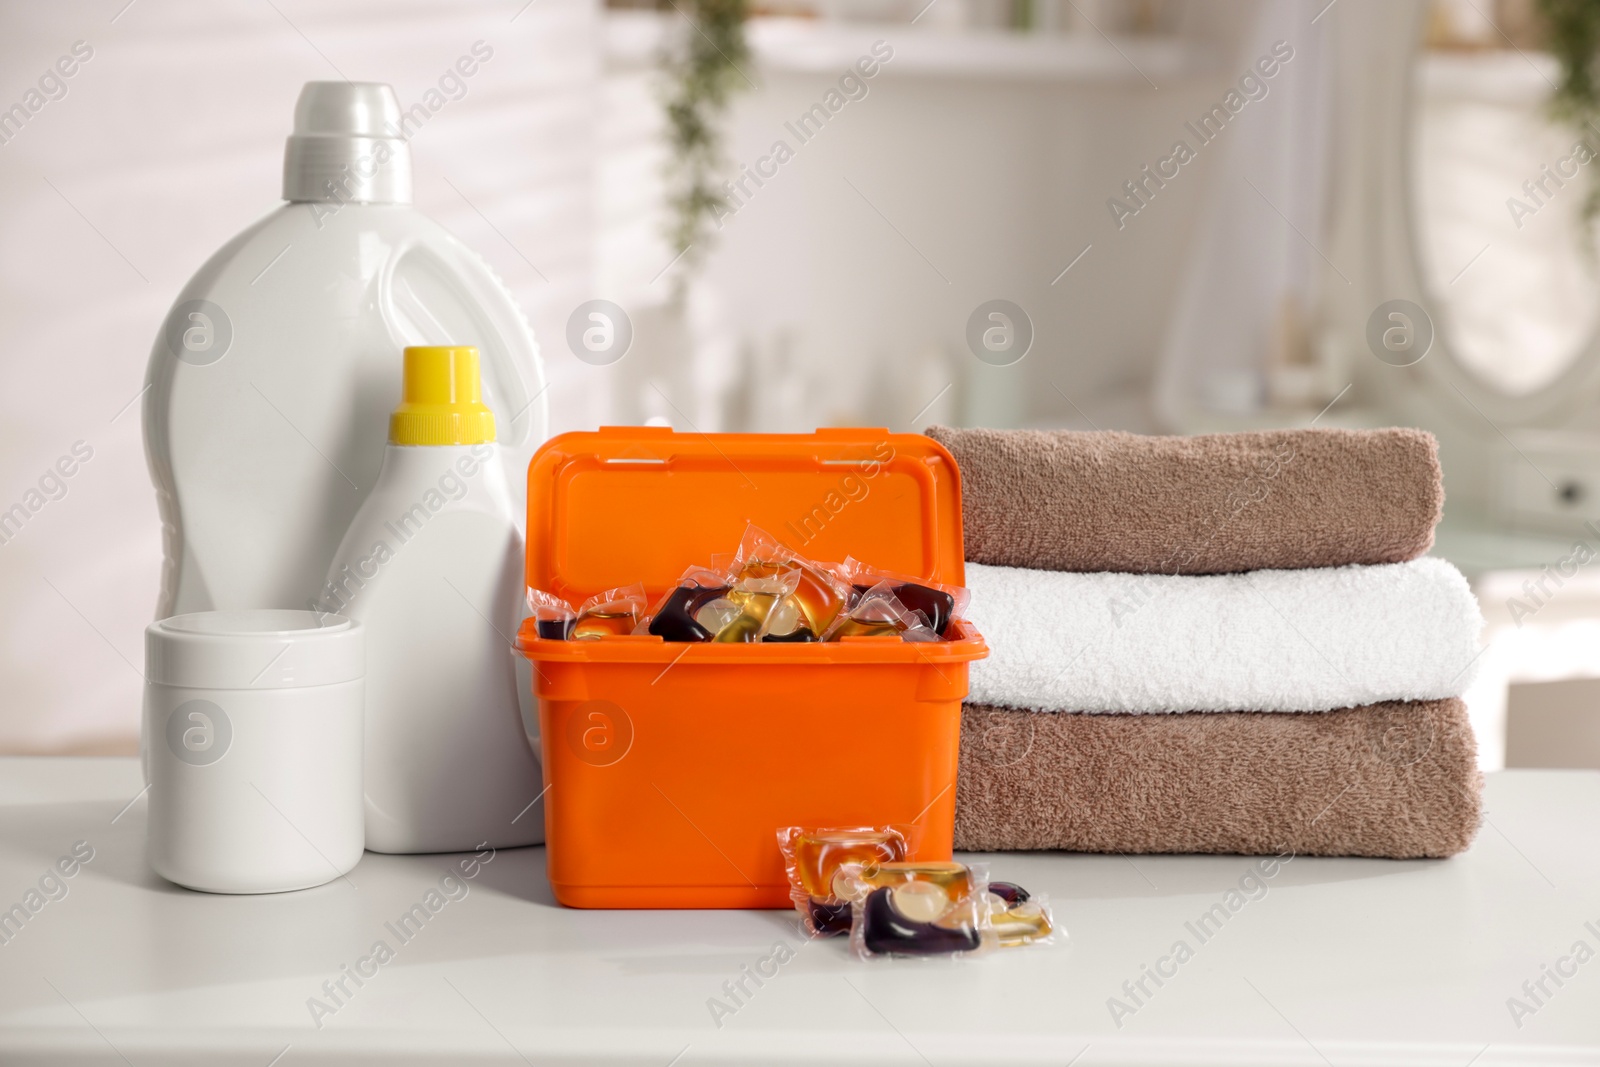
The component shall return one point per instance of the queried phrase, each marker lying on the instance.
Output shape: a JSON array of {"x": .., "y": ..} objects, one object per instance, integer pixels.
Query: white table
[{"x": 1341, "y": 962}]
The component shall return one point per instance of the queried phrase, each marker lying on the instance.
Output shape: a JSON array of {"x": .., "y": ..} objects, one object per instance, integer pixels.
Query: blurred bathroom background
[{"x": 1001, "y": 150}]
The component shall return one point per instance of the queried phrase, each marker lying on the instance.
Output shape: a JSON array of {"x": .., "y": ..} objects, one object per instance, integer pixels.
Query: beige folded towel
[
  {"x": 1214, "y": 504},
  {"x": 1396, "y": 780}
]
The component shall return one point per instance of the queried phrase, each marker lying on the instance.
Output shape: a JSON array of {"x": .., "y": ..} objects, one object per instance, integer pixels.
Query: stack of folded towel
[{"x": 1226, "y": 643}]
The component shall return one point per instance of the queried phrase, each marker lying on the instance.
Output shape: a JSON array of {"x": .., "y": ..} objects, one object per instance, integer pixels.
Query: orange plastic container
[{"x": 670, "y": 766}]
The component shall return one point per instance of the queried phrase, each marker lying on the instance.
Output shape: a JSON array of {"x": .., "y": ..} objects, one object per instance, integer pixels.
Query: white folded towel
[{"x": 1280, "y": 640}]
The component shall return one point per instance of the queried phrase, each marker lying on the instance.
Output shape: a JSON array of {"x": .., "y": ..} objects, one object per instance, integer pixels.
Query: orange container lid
[{"x": 629, "y": 504}]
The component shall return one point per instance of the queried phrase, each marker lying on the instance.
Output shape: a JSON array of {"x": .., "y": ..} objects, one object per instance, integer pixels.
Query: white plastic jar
[{"x": 252, "y": 738}]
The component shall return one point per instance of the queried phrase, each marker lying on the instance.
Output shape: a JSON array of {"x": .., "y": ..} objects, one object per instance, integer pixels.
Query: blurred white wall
[
  {"x": 975, "y": 167},
  {"x": 169, "y": 141}
]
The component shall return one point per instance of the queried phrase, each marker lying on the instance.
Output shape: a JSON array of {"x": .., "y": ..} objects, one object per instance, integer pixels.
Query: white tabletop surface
[{"x": 1340, "y": 962}]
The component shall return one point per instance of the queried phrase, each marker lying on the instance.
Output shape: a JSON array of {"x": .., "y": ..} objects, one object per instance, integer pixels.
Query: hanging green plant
[
  {"x": 1574, "y": 39},
  {"x": 703, "y": 68}
]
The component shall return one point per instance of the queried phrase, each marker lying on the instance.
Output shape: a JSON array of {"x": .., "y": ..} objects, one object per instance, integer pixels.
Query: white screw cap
[{"x": 348, "y": 145}]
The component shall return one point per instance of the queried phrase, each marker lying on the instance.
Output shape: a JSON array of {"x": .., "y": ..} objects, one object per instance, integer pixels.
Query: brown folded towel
[
  {"x": 1089, "y": 501},
  {"x": 1397, "y": 780}
]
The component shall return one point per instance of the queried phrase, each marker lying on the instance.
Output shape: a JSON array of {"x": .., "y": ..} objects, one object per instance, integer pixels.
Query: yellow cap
[{"x": 442, "y": 401}]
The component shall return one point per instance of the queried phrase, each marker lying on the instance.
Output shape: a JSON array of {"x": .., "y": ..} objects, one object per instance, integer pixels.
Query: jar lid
[{"x": 255, "y": 648}]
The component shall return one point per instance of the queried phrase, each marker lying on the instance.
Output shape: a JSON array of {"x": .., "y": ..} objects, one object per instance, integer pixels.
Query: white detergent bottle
[
  {"x": 432, "y": 566},
  {"x": 270, "y": 386}
]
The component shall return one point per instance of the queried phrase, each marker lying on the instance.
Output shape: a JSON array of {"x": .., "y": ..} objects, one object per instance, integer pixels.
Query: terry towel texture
[
  {"x": 1213, "y": 504},
  {"x": 1296, "y": 641},
  {"x": 1393, "y": 780}
]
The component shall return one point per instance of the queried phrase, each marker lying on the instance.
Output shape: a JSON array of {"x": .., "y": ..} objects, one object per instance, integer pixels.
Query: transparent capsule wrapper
[
  {"x": 611, "y": 613},
  {"x": 676, "y": 616},
  {"x": 926, "y": 910},
  {"x": 760, "y": 603},
  {"x": 939, "y": 911},
  {"x": 813, "y": 857},
  {"x": 764, "y": 592},
  {"x": 940, "y": 604},
  {"x": 553, "y": 618},
  {"x": 819, "y": 594},
  {"x": 1019, "y": 918},
  {"x": 879, "y": 613}
]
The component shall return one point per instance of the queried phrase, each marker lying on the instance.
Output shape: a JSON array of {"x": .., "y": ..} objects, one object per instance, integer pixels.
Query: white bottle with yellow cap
[{"x": 432, "y": 566}]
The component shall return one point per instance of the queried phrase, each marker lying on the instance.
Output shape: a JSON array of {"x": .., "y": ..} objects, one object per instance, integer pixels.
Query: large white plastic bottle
[
  {"x": 432, "y": 566},
  {"x": 270, "y": 387}
]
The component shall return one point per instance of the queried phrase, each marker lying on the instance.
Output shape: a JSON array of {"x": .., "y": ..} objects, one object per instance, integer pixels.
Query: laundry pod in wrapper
[
  {"x": 813, "y": 858},
  {"x": 879, "y": 613},
  {"x": 937, "y": 909},
  {"x": 939, "y": 604},
  {"x": 816, "y": 598},
  {"x": 610, "y": 614},
  {"x": 553, "y": 617},
  {"x": 678, "y": 615}
]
